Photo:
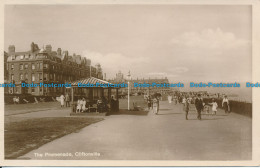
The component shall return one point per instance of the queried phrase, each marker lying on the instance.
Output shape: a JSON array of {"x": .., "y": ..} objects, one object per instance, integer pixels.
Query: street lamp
[{"x": 129, "y": 78}]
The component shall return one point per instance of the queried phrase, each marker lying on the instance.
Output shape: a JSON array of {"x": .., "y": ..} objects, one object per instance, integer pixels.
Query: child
[
  {"x": 206, "y": 108},
  {"x": 214, "y": 107}
]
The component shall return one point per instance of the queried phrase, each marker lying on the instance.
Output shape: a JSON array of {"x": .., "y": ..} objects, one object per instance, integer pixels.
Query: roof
[{"x": 90, "y": 80}]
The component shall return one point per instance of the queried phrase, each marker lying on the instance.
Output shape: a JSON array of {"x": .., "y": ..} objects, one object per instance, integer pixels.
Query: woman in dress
[
  {"x": 79, "y": 106},
  {"x": 62, "y": 97},
  {"x": 170, "y": 99},
  {"x": 155, "y": 105},
  {"x": 225, "y": 104}
]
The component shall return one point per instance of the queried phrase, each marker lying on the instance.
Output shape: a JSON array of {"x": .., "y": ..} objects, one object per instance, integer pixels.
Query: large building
[
  {"x": 46, "y": 66},
  {"x": 143, "y": 90}
]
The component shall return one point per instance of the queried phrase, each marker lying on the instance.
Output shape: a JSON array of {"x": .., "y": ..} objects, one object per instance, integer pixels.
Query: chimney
[
  {"x": 11, "y": 49},
  {"x": 32, "y": 47},
  {"x": 59, "y": 51},
  {"x": 48, "y": 48},
  {"x": 66, "y": 53}
]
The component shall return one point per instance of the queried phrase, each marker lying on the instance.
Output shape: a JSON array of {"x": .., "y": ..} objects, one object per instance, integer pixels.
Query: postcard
[{"x": 130, "y": 83}]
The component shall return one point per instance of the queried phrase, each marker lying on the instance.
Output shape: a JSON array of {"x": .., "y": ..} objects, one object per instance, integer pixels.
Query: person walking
[
  {"x": 149, "y": 102},
  {"x": 175, "y": 99},
  {"x": 67, "y": 99},
  {"x": 155, "y": 106},
  {"x": 186, "y": 109},
  {"x": 214, "y": 107},
  {"x": 169, "y": 99},
  {"x": 225, "y": 104},
  {"x": 62, "y": 100},
  {"x": 199, "y": 106}
]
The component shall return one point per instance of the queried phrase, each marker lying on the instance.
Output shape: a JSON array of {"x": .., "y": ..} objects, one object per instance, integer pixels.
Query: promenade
[{"x": 167, "y": 136}]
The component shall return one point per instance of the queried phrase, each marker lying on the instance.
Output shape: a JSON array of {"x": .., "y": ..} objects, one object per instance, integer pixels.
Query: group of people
[
  {"x": 173, "y": 99},
  {"x": 200, "y": 106},
  {"x": 81, "y": 105},
  {"x": 65, "y": 99},
  {"x": 153, "y": 103}
]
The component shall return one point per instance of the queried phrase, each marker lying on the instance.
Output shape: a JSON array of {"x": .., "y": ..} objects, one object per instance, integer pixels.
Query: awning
[{"x": 90, "y": 81}]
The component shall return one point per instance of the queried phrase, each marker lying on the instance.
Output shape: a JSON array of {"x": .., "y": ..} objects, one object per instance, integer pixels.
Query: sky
[{"x": 181, "y": 42}]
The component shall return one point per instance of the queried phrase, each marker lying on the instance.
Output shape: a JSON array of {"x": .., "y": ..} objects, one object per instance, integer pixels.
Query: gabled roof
[{"x": 90, "y": 80}]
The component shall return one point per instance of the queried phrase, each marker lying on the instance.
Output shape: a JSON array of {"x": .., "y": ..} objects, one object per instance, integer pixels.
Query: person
[
  {"x": 175, "y": 99},
  {"x": 67, "y": 99},
  {"x": 113, "y": 103},
  {"x": 214, "y": 107},
  {"x": 206, "y": 108},
  {"x": 170, "y": 99},
  {"x": 186, "y": 109},
  {"x": 14, "y": 99},
  {"x": 155, "y": 105},
  {"x": 149, "y": 102},
  {"x": 62, "y": 100},
  {"x": 100, "y": 105},
  {"x": 83, "y": 104},
  {"x": 78, "y": 106},
  {"x": 199, "y": 105},
  {"x": 104, "y": 101},
  {"x": 225, "y": 104}
]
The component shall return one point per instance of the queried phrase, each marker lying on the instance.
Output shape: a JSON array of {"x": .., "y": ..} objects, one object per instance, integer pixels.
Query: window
[
  {"x": 54, "y": 77},
  {"x": 21, "y": 66},
  {"x": 50, "y": 76},
  {"x": 40, "y": 76},
  {"x": 27, "y": 56},
  {"x": 33, "y": 90},
  {"x": 33, "y": 78},
  {"x": 13, "y": 57},
  {"x": 26, "y": 66},
  {"x": 17, "y": 88},
  {"x": 33, "y": 66},
  {"x": 22, "y": 57},
  {"x": 21, "y": 76},
  {"x": 12, "y": 77},
  {"x": 45, "y": 66},
  {"x": 12, "y": 66},
  {"x": 38, "y": 66},
  {"x": 41, "y": 65},
  {"x": 40, "y": 89},
  {"x": 45, "y": 77},
  {"x": 26, "y": 76}
]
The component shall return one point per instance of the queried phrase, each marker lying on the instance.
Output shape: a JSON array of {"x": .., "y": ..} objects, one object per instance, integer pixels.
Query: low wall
[{"x": 242, "y": 108}]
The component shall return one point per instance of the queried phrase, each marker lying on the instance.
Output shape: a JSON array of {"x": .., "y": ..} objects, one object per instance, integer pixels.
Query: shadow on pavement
[
  {"x": 207, "y": 119},
  {"x": 168, "y": 113},
  {"x": 127, "y": 112}
]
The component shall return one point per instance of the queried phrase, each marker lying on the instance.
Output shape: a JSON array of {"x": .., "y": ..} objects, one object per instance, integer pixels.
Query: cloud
[
  {"x": 111, "y": 63},
  {"x": 179, "y": 70},
  {"x": 210, "y": 39}
]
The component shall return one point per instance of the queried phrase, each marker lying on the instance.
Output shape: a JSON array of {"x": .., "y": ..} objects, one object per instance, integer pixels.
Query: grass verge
[{"x": 24, "y": 136}]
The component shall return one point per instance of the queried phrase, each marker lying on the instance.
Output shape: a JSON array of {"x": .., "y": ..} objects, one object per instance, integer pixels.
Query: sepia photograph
[{"x": 128, "y": 82}]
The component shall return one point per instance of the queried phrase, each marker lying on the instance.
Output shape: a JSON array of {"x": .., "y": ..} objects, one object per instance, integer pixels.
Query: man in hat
[{"x": 199, "y": 105}]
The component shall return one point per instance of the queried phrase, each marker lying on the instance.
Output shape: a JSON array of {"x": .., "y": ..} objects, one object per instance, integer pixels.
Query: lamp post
[{"x": 129, "y": 78}]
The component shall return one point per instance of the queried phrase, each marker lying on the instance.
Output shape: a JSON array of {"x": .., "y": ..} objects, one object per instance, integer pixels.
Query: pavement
[{"x": 167, "y": 136}]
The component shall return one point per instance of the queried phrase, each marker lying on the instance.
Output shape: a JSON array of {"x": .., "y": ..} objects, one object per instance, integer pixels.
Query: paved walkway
[{"x": 167, "y": 136}]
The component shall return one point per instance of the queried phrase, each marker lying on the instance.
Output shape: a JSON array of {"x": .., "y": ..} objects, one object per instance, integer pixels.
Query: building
[
  {"x": 142, "y": 90},
  {"x": 46, "y": 66}
]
